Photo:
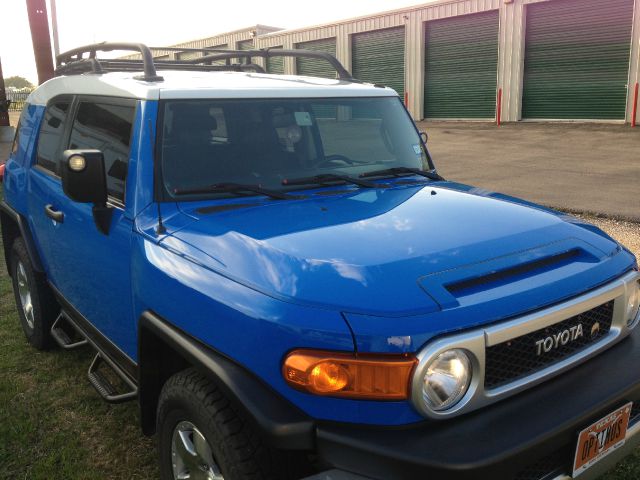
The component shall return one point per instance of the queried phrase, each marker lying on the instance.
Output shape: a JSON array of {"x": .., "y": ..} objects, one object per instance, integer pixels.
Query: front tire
[
  {"x": 202, "y": 436},
  {"x": 37, "y": 307}
]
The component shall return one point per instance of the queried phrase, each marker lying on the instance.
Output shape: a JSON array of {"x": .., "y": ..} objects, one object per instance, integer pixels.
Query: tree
[{"x": 17, "y": 82}]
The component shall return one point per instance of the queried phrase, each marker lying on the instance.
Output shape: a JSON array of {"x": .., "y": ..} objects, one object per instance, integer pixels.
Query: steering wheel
[{"x": 329, "y": 159}]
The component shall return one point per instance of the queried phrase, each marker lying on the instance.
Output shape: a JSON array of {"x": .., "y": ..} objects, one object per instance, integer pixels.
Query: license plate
[{"x": 601, "y": 438}]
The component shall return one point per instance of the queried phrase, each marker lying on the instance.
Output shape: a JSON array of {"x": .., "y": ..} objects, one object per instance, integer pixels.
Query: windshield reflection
[{"x": 264, "y": 141}]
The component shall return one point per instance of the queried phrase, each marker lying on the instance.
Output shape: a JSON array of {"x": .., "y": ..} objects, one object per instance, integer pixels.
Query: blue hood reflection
[{"x": 365, "y": 251}]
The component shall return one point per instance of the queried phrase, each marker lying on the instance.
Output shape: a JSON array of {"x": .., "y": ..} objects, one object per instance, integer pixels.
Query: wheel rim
[
  {"x": 24, "y": 292},
  {"x": 191, "y": 455}
]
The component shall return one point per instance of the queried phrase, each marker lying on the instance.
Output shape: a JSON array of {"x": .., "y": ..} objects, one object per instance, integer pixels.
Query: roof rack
[{"x": 74, "y": 61}]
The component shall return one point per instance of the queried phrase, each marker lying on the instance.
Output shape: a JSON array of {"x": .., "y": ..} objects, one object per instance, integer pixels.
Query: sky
[{"x": 165, "y": 22}]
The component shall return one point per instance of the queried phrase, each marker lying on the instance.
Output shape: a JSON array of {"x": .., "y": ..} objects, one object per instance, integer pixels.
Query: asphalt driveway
[{"x": 577, "y": 167}]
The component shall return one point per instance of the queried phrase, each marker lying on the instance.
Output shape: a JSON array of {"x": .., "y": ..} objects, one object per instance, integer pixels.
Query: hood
[{"x": 387, "y": 252}]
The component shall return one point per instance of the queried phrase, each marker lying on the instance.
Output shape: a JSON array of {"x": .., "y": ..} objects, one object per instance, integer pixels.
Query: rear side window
[
  {"x": 18, "y": 135},
  {"x": 106, "y": 127},
  {"x": 51, "y": 134}
]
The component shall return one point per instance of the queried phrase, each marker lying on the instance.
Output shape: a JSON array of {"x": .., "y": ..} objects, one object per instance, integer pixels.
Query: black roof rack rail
[
  {"x": 74, "y": 62},
  {"x": 343, "y": 73},
  {"x": 71, "y": 59},
  {"x": 126, "y": 65}
]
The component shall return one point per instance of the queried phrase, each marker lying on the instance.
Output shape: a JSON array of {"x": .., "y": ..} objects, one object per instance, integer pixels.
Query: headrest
[
  {"x": 192, "y": 117},
  {"x": 283, "y": 120}
]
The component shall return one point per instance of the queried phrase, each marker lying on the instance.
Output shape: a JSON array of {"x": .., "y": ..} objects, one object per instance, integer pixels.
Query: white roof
[{"x": 186, "y": 84}]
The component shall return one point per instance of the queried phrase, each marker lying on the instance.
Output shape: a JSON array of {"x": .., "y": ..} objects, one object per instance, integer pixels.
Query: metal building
[{"x": 480, "y": 59}]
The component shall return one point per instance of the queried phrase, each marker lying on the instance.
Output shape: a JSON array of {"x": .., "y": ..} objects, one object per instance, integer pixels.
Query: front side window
[
  {"x": 265, "y": 141},
  {"x": 51, "y": 134},
  {"x": 107, "y": 128}
]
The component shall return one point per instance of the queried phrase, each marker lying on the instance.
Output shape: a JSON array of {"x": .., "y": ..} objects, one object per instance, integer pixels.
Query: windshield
[{"x": 264, "y": 142}]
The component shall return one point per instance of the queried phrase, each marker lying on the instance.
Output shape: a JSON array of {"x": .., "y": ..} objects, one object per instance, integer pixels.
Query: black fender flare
[
  {"x": 281, "y": 423},
  {"x": 8, "y": 217}
]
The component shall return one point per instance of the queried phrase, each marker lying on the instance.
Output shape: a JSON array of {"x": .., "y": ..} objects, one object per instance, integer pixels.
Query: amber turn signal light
[{"x": 363, "y": 376}]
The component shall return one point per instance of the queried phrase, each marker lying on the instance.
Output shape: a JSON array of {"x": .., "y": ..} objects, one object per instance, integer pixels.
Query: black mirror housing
[{"x": 84, "y": 181}]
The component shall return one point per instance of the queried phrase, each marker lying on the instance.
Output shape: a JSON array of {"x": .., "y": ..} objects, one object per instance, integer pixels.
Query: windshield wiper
[
  {"x": 329, "y": 178},
  {"x": 235, "y": 188},
  {"x": 402, "y": 171}
]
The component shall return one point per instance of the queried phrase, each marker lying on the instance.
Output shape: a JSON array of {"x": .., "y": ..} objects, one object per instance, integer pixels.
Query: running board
[
  {"x": 66, "y": 334},
  {"x": 103, "y": 384}
]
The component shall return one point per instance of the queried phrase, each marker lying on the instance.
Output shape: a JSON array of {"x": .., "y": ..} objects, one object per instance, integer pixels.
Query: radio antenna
[{"x": 161, "y": 229}]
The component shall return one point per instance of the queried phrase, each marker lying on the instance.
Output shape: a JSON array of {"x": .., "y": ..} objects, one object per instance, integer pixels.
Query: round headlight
[
  {"x": 633, "y": 305},
  {"x": 447, "y": 379}
]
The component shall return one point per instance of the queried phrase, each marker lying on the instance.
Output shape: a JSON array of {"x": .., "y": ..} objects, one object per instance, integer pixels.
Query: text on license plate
[{"x": 601, "y": 438}]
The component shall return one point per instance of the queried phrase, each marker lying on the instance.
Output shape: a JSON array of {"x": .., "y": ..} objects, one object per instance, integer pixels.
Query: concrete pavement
[
  {"x": 583, "y": 167},
  {"x": 7, "y": 133},
  {"x": 5, "y": 148}
]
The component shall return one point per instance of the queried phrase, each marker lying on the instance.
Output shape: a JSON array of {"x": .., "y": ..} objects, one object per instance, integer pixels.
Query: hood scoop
[
  {"x": 502, "y": 277},
  {"x": 529, "y": 276}
]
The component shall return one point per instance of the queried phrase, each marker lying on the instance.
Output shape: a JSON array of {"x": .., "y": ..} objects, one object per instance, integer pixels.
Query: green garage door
[
  {"x": 275, "y": 64},
  {"x": 378, "y": 57},
  {"x": 461, "y": 66},
  {"x": 188, "y": 55},
  {"x": 221, "y": 46},
  {"x": 577, "y": 59},
  {"x": 316, "y": 67},
  {"x": 245, "y": 45}
]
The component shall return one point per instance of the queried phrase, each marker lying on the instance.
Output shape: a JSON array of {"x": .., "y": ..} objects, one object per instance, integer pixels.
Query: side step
[
  {"x": 65, "y": 334},
  {"x": 104, "y": 385}
]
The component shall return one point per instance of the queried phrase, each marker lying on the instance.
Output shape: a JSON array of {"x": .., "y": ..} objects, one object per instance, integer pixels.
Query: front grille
[{"x": 518, "y": 357}]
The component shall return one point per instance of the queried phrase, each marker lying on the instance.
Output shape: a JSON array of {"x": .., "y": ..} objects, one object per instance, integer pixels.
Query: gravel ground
[{"x": 627, "y": 233}]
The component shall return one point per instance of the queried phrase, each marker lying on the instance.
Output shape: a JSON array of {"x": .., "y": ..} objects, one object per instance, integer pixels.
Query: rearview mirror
[
  {"x": 424, "y": 137},
  {"x": 84, "y": 181}
]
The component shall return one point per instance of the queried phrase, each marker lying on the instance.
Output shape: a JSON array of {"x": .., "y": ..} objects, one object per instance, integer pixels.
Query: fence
[{"x": 17, "y": 99}]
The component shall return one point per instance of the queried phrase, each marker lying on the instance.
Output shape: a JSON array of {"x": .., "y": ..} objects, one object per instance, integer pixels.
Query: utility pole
[
  {"x": 38, "y": 21},
  {"x": 54, "y": 28},
  {"x": 4, "y": 107}
]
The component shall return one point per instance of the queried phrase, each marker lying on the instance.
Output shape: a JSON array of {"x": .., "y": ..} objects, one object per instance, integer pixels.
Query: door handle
[{"x": 53, "y": 214}]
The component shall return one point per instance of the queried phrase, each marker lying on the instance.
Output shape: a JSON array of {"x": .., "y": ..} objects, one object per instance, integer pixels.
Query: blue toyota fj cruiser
[{"x": 272, "y": 267}]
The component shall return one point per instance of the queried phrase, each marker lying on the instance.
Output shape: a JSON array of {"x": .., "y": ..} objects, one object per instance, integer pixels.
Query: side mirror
[
  {"x": 83, "y": 177},
  {"x": 84, "y": 181},
  {"x": 424, "y": 137}
]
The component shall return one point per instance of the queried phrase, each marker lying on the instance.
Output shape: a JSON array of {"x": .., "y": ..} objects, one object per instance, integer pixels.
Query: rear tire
[
  {"x": 190, "y": 406},
  {"x": 37, "y": 307}
]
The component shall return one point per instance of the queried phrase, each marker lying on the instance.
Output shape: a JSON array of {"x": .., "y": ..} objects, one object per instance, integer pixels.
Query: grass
[
  {"x": 52, "y": 423},
  {"x": 54, "y": 426}
]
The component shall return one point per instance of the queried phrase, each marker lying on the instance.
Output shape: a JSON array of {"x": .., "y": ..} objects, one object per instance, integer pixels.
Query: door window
[
  {"x": 106, "y": 127},
  {"x": 51, "y": 134}
]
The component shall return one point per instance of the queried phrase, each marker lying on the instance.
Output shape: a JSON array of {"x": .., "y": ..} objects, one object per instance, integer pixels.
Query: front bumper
[{"x": 529, "y": 436}]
